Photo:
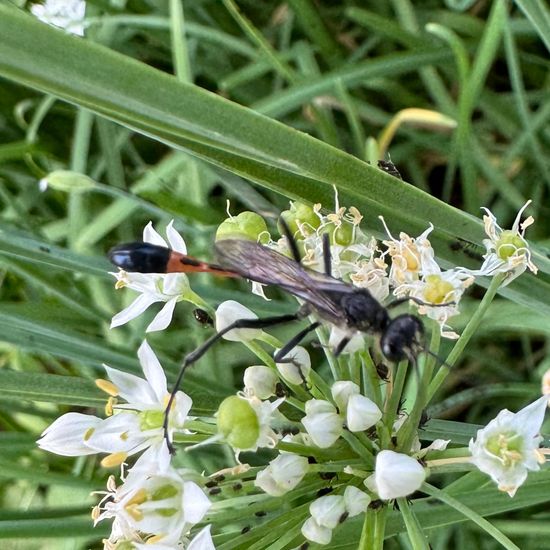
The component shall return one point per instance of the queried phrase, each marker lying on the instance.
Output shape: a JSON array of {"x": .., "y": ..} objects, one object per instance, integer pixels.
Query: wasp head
[{"x": 402, "y": 337}]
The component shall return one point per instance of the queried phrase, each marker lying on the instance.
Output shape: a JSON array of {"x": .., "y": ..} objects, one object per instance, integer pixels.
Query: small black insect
[
  {"x": 467, "y": 248},
  {"x": 203, "y": 317},
  {"x": 389, "y": 167},
  {"x": 215, "y": 491},
  {"x": 327, "y": 298}
]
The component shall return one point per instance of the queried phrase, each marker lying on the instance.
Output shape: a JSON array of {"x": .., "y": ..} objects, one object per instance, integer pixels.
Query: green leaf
[{"x": 239, "y": 139}]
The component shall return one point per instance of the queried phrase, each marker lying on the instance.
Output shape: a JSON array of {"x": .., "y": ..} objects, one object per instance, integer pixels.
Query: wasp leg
[
  {"x": 400, "y": 301},
  {"x": 279, "y": 357},
  {"x": 196, "y": 354},
  {"x": 291, "y": 241},
  {"x": 326, "y": 255},
  {"x": 341, "y": 345}
]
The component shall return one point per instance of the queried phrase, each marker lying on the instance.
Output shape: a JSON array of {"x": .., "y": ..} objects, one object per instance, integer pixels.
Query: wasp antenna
[{"x": 435, "y": 356}]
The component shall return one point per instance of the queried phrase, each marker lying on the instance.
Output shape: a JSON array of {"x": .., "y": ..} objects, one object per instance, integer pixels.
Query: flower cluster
[{"x": 345, "y": 447}]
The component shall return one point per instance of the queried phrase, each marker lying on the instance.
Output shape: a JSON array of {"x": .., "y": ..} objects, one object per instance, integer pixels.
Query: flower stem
[
  {"x": 469, "y": 331},
  {"x": 374, "y": 527}
]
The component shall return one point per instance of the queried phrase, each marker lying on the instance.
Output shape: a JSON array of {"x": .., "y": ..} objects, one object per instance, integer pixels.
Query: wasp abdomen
[{"x": 141, "y": 257}]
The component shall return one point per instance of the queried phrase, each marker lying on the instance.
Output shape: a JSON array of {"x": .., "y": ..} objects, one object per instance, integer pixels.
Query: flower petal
[
  {"x": 175, "y": 239},
  {"x": 132, "y": 388},
  {"x": 153, "y": 371},
  {"x": 163, "y": 317},
  {"x": 135, "y": 309}
]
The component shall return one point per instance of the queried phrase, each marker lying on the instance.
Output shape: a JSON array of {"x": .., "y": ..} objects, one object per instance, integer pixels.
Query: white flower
[
  {"x": 406, "y": 255},
  {"x": 362, "y": 413},
  {"x": 230, "y": 311},
  {"x": 328, "y": 510},
  {"x": 355, "y": 501},
  {"x": 68, "y": 434},
  {"x": 134, "y": 426},
  {"x": 296, "y": 366},
  {"x": 341, "y": 392},
  {"x": 322, "y": 422},
  {"x": 508, "y": 446},
  {"x": 371, "y": 274},
  {"x": 282, "y": 474},
  {"x": 316, "y": 533},
  {"x": 506, "y": 250},
  {"x": 154, "y": 500},
  {"x": 395, "y": 475},
  {"x": 170, "y": 288},
  {"x": 438, "y": 287},
  {"x": 66, "y": 14},
  {"x": 260, "y": 381}
]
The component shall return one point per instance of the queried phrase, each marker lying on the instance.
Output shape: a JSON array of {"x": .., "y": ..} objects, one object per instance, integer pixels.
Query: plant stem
[{"x": 469, "y": 331}]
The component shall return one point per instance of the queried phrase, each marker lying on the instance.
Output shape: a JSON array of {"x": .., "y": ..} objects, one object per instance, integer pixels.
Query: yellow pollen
[
  {"x": 437, "y": 290},
  {"x": 139, "y": 497},
  {"x": 107, "y": 386},
  {"x": 111, "y": 402},
  {"x": 134, "y": 512},
  {"x": 124, "y": 436},
  {"x": 96, "y": 512},
  {"x": 120, "y": 284},
  {"x": 411, "y": 258},
  {"x": 154, "y": 539},
  {"x": 88, "y": 433},
  {"x": 115, "y": 459}
]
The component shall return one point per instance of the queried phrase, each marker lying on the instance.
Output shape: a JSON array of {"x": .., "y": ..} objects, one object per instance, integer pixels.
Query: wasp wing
[{"x": 264, "y": 265}]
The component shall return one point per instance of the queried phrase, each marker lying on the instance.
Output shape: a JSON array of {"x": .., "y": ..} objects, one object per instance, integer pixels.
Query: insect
[
  {"x": 203, "y": 317},
  {"x": 327, "y": 298}
]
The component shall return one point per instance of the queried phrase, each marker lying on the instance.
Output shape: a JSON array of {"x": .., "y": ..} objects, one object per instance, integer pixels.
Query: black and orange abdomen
[{"x": 144, "y": 257}]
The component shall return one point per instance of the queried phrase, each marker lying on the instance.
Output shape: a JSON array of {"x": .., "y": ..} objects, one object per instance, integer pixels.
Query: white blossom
[
  {"x": 154, "y": 500},
  {"x": 322, "y": 422},
  {"x": 282, "y": 474},
  {"x": 230, "y": 311},
  {"x": 328, "y": 510},
  {"x": 407, "y": 254},
  {"x": 260, "y": 381},
  {"x": 362, "y": 413},
  {"x": 507, "y": 250},
  {"x": 170, "y": 288},
  {"x": 133, "y": 426},
  {"x": 508, "y": 447},
  {"x": 395, "y": 475},
  {"x": 438, "y": 287},
  {"x": 316, "y": 533},
  {"x": 296, "y": 366},
  {"x": 68, "y": 435}
]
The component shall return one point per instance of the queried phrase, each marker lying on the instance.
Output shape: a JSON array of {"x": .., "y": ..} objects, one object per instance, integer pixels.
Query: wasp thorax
[
  {"x": 363, "y": 312},
  {"x": 402, "y": 335}
]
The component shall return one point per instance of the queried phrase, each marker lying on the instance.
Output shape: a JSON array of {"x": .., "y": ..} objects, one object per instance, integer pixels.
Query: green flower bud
[
  {"x": 247, "y": 225},
  {"x": 70, "y": 182},
  {"x": 342, "y": 235},
  {"x": 508, "y": 244},
  {"x": 300, "y": 214},
  {"x": 238, "y": 423}
]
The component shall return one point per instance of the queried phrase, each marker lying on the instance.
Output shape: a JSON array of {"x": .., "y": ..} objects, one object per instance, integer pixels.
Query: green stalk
[
  {"x": 469, "y": 331},
  {"x": 470, "y": 514},
  {"x": 414, "y": 530}
]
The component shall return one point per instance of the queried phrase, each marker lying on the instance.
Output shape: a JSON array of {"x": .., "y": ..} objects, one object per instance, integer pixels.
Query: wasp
[{"x": 323, "y": 296}]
